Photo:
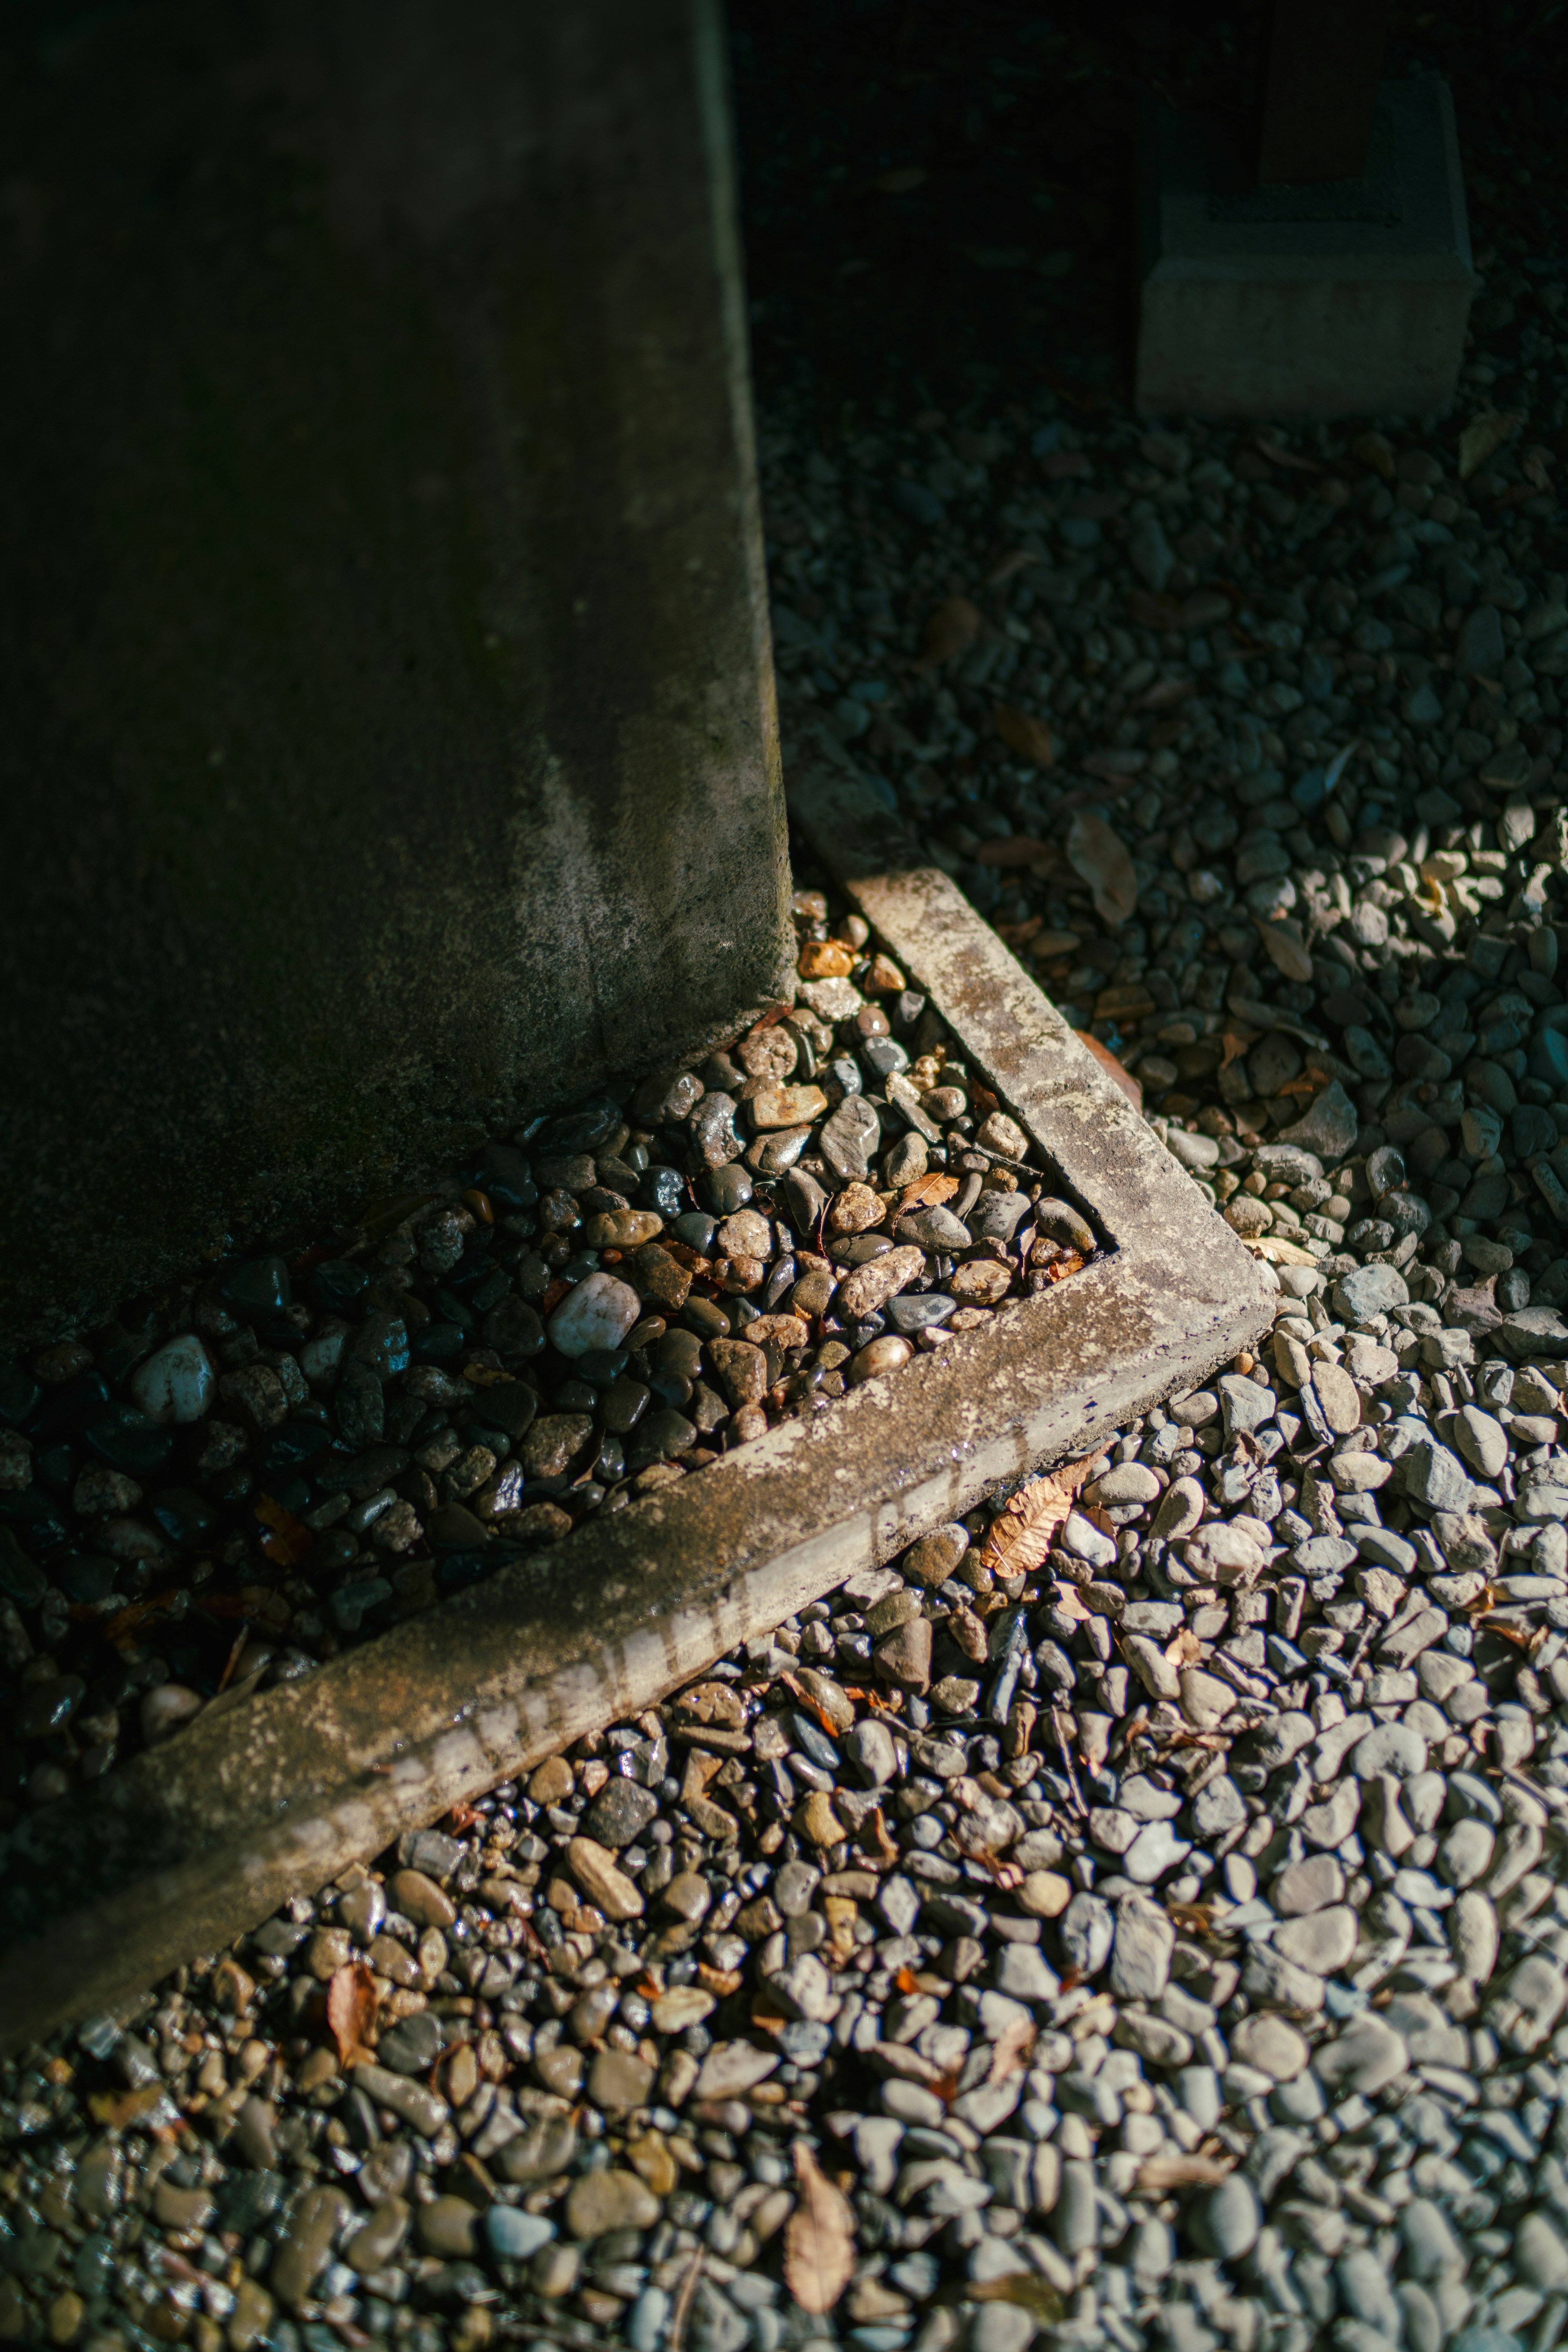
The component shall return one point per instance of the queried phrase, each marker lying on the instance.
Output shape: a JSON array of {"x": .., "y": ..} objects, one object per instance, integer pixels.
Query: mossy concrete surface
[{"x": 389, "y": 744}]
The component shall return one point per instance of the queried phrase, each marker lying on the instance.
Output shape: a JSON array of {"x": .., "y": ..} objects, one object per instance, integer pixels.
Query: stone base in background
[{"x": 1328, "y": 301}]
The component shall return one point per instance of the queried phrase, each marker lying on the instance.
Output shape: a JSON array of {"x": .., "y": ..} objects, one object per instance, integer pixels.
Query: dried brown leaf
[
  {"x": 1483, "y": 436},
  {"x": 1017, "y": 849},
  {"x": 1185, "y": 1650},
  {"x": 927, "y": 1192},
  {"x": 1116, "y": 1071},
  {"x": 1020, "y": 1536},
  {"x": 351, "y": 2009},
  {"x": 1285, "y": 948},
  {"x": 1157, "y": 2175},
  {"x": 950, "y": 630},
  {"x": 1278, "y": 455},
  {"x": 1100, "y": 859},
  {"x": 1030, "y": 736},
  {"x": 1025, "y": 2288},
  {"x": 819, "y": 2240},
  {"x": 1011, "y": 2050}
]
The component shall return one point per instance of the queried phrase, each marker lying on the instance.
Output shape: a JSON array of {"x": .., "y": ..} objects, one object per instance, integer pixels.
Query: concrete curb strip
[{"x": 192, "y": 1843}]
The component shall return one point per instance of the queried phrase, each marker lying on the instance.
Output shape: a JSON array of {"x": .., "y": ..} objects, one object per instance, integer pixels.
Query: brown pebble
[{"x": 419, "y": 1899}]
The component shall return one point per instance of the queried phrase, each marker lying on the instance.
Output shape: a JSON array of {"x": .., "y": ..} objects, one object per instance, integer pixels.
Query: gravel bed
[
  {"x": 244, "y": 1474},
  {"x": 1138, "y": 1916}
]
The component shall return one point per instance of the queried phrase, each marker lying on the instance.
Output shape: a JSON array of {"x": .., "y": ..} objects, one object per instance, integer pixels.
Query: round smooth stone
[
  {"x": 597, "y": 1314},
  {"x": 696, "y": 1228},
  {"x": 920, "y": 1310},
  {"x": 884, "y": 1355},
  {"x": 177, "y": 1383},
  {"x": 728, "y": 1189}
]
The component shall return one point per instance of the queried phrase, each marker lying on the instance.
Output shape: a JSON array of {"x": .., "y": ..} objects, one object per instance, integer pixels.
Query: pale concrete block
[{"x": 1348, "y": 298}]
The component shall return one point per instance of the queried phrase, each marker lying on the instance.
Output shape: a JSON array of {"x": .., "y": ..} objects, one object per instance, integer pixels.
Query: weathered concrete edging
[{"x": 193, "y": 1843}]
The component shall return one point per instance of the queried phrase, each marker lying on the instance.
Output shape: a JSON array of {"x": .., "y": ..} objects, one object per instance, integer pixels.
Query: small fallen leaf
[
  {"x": 819, "y": 2240},
  {"x": 1278, "y": 456},
  {"x": 1018, "y": 935},
  {"x": 1030, "y": 736},
  {"x": 1159, "y": 2174},
  {"x": 951, "y": 631},
  {"x": 1018, "y": 560},
  {"x": 1147, "y": 610},
  {"x": 287, "y": 1539},
  {"x": 927, "y": 1191},
  {"x": 1100, "y": 859},
  {"x": 1060, "y": 1267},
  {"x": 1537, "y": 463},
  {"x": 1070, "y": 1603},
  {"x": 1017, "y": 849},
  {"x": 1185, "y": 1650},
  {"x": 1276, "y": 1251},
  {"x": 351, "y": 2009},
  {"x": 1234, "y": 1044},
  {"x": 1019, "y": 1539},
  {"x": 1376, "y": 450},
  {"x": 379, "y": 1219},
  {"x": 1285, "y": 948},
  {"x": 1011, "y": 2050},
  {"x": 118, "y": 2110},
  {"x": 1028, "y": 2289},
  {"x": 1483, "y": 435},
  {"x": 1130, "y": 1087},
  {"x": 1165, "y": 692}
]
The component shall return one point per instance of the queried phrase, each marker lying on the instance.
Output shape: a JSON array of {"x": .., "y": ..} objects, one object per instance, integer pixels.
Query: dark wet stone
[
  {"x": 715, "y": 1131},
  {"x": 623, "y": 1404},
  {"x": 620, "y": 1813},
  {"x": 46, "y": 1707},
  {"x": 128, "y": 1440},
  {"x": 511, "y": 1406},
  {"x": 365, "y": 1473},
  {"x": 381, "y": 1343},
  {"x": 659, "y": 1436},
  {"x": 512, "y": 1328},
  {"x": 21, "y": 1578},
  {"x": 297, "y": 1440},
  {"x": 67, "y": 1408},
  {"x": 338, "y": 1286},
  {"x": 728, "y": 1189},
  {"x": 19, "y": 1393},
  {"x": 920, "y": 1310},
  {"x": 247, "y": 2200},
  {"x": 663, "y": 1190},
  {"x": 602, "y": 1367},
  {"x": 582, "y": 1130},
  {"x": 695, "y": 1227},
  {"x": 883, "y": 1055},
  {"x": 437, "y": 1343},
  {"x": 186, "y": 1517},
  {"x": 83, "y": 1577},
  {"x": 505, "y": 1175},
  {"x": 259, "y": 1290},
  {"x": 412, "y": 2045}
]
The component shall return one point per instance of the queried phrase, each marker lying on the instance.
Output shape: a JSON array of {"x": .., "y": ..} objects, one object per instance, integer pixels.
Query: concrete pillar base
[{"x": 1343, "y": 298}]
